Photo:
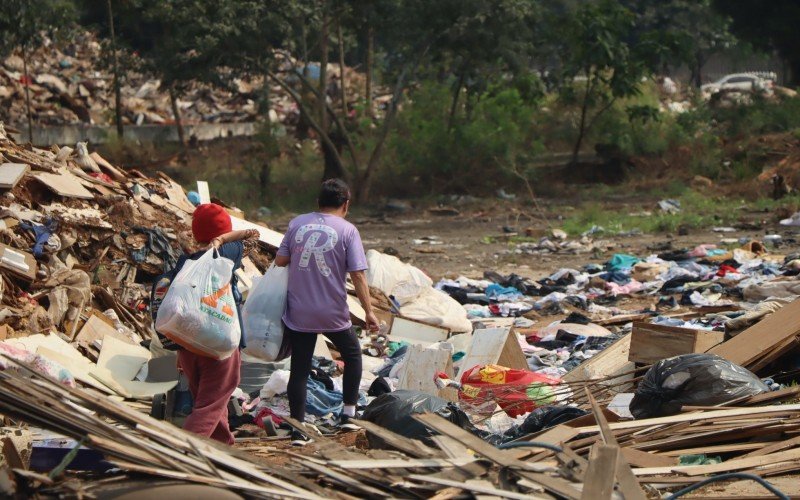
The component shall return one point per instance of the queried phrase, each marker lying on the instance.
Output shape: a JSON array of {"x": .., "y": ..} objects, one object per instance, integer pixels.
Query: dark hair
[{"x": 333, "y": 194}]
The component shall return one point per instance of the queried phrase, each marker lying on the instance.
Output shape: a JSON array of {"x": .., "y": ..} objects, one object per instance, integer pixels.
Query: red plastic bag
[{"x": 517, "y": 392}]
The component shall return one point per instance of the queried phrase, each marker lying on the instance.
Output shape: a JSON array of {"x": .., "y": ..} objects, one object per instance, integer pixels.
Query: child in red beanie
[{"x": 212, "y": 381}]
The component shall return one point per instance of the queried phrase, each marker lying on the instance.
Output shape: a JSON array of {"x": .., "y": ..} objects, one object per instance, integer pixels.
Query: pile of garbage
[
  {"x": 67, "y": 86},
  {"x": 494, "y": 359}
]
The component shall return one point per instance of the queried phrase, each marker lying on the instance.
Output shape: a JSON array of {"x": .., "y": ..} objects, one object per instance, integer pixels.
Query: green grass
[{"x": 697, "y": 211}]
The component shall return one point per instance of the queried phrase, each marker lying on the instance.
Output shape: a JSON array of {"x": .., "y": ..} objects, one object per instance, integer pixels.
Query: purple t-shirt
[{"x": 322, "y": 249}]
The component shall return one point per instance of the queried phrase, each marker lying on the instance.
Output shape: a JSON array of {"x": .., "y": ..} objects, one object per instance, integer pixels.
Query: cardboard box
[{"x": 652, "y": 343}]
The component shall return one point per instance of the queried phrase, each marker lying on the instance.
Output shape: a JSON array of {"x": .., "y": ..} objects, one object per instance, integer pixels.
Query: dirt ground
[{"x": 474, "y": 241}]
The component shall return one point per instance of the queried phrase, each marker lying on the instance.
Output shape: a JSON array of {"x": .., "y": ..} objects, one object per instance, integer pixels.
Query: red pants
[{"x": 211, "y": 382}]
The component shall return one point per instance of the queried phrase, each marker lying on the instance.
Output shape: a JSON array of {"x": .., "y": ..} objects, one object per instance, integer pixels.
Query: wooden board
[
  {"x": 694, "y": 417},
  {"x": 416, "y": 332},
  {"x": 610, "y": 362},
  {"x": 494, "y": 346},
  {"x": 644, "y": 459},
  {"x": 265, "y": 235},
  {"x": 202, "y": 190},
  {"x": 599, "y": 480},
  {"x": 652, "y": 343},
  {"x": 21, "y": 264},
  {"x": 755, "y": 345},
  {"x": 421, "y": 366},
  {"x": 64, "y": 184},
  {"x": 11, "y": 173},
  {"x": 727, "y": 466}
]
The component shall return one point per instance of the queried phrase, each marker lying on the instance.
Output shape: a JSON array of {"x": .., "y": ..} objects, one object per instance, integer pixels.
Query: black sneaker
[
  {"x": 299, "y": 439},
  {"x": 345, "y": 423}
]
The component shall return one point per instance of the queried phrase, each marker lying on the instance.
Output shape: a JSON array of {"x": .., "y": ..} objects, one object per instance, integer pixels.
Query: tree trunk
[
  {"x": 408, "y": 73},
  {"x": 454, "y": 105},
  {"x": 697, "y": 73},
  {"x": 333, "y": 169},
  {"x": 794, "y": 72},
  {"x": 368, "y": 85},
  {"x": 342, "y": 79},
  {"x": 176, "y": 113},
  {"x": 117, "y": 91},
  {"x": 576, "y": 150},
  {"x": 309, "y": 117},
  {"x": 323, "y": 66},
  {"x": 27, "y": 78},
  {"x": 264, "y": 177}
]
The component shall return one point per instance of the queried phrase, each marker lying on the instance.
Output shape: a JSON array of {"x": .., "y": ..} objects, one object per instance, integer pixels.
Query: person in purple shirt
[{"x": 321, "y": 248}]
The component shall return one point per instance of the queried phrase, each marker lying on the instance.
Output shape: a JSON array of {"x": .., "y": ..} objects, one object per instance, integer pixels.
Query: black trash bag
[
  {"x": 692, "y": 379},
  {"x": 542, "y": 418},
  {"x": 394, "y": 412}
]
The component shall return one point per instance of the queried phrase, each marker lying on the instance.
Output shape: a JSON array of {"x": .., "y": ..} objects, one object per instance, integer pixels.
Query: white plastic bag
[
  {"x": 262, "y": 314},
  {"x": 199, "y": 311},
  {"x": 396, "y": 278}
]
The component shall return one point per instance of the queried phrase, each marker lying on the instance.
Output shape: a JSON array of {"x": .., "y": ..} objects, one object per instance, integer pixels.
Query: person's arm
[
  {"x": 362, "y": 292},
  {"x": 248, "y": 236},
  {"x": 282, "y": 260}
]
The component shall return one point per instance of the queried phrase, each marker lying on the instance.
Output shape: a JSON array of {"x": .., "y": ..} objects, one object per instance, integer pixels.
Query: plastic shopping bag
[
  {"x": 199, "y": 311},
  {"x": 517, "y": 392},
  {"x": 262, "y": 316}
]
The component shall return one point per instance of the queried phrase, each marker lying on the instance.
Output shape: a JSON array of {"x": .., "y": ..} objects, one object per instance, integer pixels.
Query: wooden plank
[
  {"x": 500, "y": 457},
  {"x": 64, "y": 184},
  {"x": 779, "y": 446},
  {"x": 628, "y": 484},
  {"x": 402, "y": 463},
  {"x": 598, "y": 483},
  {"x": 652, "y": 343},
  {"x": 421, "y": 366},
  {"x": 494, "y": 346},
  {"x": 474, "y": 488},
  {"x": 450, "y": 447},
  {"x": 11, "y": 173},
  {"x": 610, "y": 362},
  {"x": 644, "y": 459},
  {"x": 408, "y": 446},
  {"x": 693, "y": 417},
  {"x": 722, "y": 448},
  {"x": 12, "y": 455},
  {"x": 265, "y": 235},
  {"x": 344, "y": 479},
  {"x": 758, "y": 340},
  {"x": 727, "y": 466}
]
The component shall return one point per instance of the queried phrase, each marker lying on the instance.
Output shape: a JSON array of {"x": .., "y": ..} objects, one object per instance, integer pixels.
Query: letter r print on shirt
[{"x": 311, "y": 248}]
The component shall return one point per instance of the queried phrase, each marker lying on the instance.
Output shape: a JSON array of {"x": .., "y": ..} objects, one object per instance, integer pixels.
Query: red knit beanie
[{"x": 209, "y": 221}]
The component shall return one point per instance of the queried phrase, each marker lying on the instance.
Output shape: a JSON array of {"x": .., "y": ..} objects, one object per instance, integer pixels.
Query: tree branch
[{"x": 308, "y": 116}]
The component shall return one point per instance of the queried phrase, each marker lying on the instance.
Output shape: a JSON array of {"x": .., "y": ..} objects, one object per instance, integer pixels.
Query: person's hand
[
  {"x": 372, "y": 322},
  {"x": 215, "y": 243}
]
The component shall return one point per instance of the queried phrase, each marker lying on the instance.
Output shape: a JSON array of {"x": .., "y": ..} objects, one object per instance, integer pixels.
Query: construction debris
[{"x": 535, "y": 379}]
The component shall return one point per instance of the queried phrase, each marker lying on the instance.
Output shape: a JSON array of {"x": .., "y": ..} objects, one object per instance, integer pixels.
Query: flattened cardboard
[
  {"x": 11, "y": 173},
  {"x": 417, "y": 333},
  {"x": 118, "y": 365},
  {"x": 64, "y": 184}
]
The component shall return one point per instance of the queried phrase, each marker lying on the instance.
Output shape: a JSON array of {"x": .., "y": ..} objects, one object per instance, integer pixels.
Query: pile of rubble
[{"x": 68, "y": 86}]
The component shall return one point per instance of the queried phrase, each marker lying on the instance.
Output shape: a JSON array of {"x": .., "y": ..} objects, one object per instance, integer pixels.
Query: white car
[{"x": 743, "y": 82}]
